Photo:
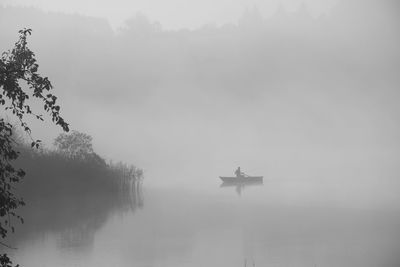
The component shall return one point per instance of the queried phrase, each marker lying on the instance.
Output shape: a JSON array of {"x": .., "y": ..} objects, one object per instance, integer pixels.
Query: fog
[
  {"x": 174, "y": 14},
  {"x": 304, "y": 94},
  {"x": 280, "y": 90}
]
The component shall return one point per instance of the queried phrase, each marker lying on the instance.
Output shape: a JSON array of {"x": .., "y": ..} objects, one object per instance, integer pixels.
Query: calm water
[{"x": 285, "y": 222}]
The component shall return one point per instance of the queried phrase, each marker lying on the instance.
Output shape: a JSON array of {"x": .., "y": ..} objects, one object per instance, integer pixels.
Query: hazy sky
[{"x": 173, "y": 14}]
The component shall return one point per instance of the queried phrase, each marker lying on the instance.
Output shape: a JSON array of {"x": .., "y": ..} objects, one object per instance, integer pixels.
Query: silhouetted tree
[
  {"x": 19, "y": 81},
  {"x": 74, "y": 144}
]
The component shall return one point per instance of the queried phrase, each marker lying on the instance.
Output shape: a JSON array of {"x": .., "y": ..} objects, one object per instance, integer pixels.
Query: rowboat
[{"x": 242, "y": 179}]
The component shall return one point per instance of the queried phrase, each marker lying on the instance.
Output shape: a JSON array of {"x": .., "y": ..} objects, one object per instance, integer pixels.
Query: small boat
[{"x": 242, "y": 179}]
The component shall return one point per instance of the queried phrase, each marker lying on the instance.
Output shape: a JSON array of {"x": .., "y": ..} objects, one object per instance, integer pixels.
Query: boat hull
[{"x": 236, "y": 180}]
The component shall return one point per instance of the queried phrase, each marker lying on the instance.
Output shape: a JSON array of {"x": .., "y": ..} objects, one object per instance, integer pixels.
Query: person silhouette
[{"x": 238, "y": 172}]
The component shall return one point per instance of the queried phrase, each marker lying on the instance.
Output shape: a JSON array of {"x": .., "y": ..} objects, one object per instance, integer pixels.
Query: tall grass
[
  {"x": 66, "y": 194},
  {"x": 52, "y": 173}
]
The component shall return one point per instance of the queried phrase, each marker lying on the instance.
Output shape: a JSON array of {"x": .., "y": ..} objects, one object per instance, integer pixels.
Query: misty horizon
[
  {"x": 301, "y": 95},
  {"x": 197, "y": 15},
  {"x": 225, "y": 66}
]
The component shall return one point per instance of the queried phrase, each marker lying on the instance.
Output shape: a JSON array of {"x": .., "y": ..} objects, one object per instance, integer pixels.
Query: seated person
[{"x": 238, "y": 172}]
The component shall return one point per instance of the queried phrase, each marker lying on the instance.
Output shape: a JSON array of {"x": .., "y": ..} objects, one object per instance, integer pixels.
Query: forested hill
[
  {"x": 144, "y": 56},
  {"x": 289, "y": 73}
]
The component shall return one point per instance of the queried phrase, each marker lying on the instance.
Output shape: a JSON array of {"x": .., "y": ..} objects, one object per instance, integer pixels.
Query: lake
[{"x": 288, "y": 221}]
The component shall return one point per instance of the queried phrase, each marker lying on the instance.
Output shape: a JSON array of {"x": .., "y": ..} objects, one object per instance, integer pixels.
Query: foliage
[
  {"x": 19, "y": 81},
  {"x": 8, "y": 176},
  {"x": 18, "y": 65},
  {"x": 53, "y": 174},
  {"x": 66, "y": 194},
  {"x": 74, "y": 144},
  {"x": 5, "y": 261}
]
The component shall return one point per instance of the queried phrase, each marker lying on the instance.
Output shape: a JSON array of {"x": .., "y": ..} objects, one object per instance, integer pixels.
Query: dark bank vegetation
[
  {"x": 70, "y": 189},
  {"x": 19, "y": 81},
  {"x": 72, "y": 169},
  {"x": 65, "y": 185}
]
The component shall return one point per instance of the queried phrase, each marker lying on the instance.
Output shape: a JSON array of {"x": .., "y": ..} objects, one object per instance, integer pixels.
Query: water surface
[{"x": 288, "y": 221}]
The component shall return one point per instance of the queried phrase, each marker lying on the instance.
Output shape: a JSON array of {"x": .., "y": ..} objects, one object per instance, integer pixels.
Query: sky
[
  {"x": 310, "y": 104},
  {"x": 173, "y": 14},
  {"x": 288, "y": 91}
]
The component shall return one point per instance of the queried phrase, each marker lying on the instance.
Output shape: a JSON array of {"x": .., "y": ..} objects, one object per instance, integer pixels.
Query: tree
[
  {"x": 19, "y": 81},
  {"x": 74, "y": 144}
]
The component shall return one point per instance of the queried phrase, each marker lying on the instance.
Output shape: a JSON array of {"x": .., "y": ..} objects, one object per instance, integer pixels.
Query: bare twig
[{"x": 7, "y": 246}]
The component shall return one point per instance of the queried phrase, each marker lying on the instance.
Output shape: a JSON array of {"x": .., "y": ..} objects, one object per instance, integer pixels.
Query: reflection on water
[
  {"x": 178, "y": 227},
  {"x": 135, "y": 198},
  {"x": 79, "y": 239},
  {"x": 75, "y": 220},
  {"x": 81, "y": 234},
  {"x": 240, "y": 186}
]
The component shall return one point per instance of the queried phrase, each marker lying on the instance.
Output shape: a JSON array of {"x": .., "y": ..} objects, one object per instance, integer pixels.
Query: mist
[
  {"x": 304, "y": 94},
  {"x": 288, "y": 87}
]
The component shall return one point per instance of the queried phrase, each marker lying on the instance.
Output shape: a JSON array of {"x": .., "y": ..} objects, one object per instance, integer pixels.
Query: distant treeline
[{"x": 357, "y": 39}]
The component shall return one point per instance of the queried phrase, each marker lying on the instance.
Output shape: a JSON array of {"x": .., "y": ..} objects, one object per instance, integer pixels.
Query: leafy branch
[{"x": 19, "y": 81}]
